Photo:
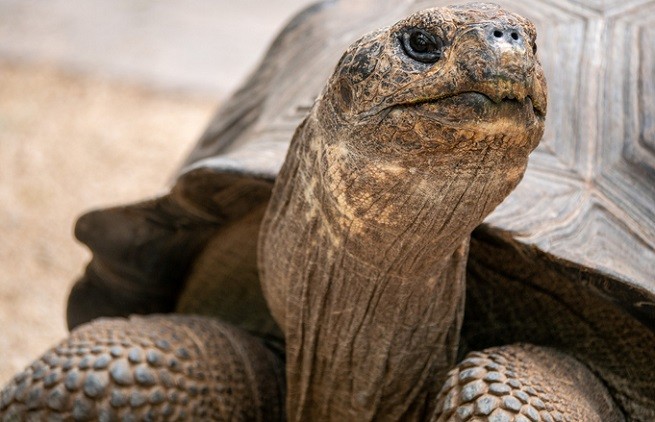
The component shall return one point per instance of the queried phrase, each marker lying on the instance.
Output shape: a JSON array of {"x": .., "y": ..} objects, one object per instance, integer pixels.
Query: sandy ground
[{"x": 67, "y": 144}]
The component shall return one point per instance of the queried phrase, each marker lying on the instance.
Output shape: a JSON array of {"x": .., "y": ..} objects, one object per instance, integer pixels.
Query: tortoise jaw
[
  {"x": 521, "y": 100},
  {"x": 504, "y": 94},
  {"x": 518, "y": 100},
  {"x": 474, "y": 105}
]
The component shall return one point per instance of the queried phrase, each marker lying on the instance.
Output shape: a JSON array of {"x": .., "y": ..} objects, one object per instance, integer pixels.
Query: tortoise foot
[
  {"x": 523, "y": 383},
  {"x": 150, "y": 368}
]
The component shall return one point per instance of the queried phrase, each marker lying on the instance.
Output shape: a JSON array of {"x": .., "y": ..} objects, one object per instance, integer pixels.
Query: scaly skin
[
  {"x": 363, "y": 247},
  {"x": 173, "y": 368},
  {"x": 523, "y": 383}
]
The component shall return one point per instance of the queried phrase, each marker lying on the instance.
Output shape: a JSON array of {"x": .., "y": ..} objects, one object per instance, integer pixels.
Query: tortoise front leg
[
  {"x": 150, "y": 368},
  {"x": 524, "y": 383}
]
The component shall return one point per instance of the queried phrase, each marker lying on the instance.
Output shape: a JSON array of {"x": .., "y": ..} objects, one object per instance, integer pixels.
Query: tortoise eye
[{"x": 421, "y": 45}]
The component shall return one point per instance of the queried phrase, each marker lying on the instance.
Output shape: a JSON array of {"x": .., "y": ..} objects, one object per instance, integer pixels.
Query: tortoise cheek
[
  {"x": 340, "y": 97},
  {"x": 345, "y": 93}
]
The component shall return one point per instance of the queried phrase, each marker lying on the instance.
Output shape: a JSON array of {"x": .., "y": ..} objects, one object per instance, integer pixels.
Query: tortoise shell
[{"x": 567, "y": 261}]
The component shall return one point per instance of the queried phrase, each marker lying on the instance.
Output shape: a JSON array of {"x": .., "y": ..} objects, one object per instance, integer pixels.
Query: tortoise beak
[{"x": 522, "y": 92}]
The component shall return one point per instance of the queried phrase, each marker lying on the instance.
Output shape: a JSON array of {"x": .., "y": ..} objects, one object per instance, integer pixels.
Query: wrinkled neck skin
[{"x": 362, "y": 262}]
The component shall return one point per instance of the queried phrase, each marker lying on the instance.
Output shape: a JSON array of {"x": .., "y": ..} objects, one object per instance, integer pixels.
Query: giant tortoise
[{"x": 383, "y": 306}]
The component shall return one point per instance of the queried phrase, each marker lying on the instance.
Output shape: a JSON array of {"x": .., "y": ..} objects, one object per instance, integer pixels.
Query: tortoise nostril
[{"x": 499, "y": 35}]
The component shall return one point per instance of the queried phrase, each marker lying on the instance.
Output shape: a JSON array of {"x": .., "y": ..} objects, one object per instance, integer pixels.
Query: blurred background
[{"x": 99, "y": 103}]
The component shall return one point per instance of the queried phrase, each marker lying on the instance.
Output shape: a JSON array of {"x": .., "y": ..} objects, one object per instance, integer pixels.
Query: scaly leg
[
  {"x": 523, "y": 383},
  {"x": 152, "y": 368}
]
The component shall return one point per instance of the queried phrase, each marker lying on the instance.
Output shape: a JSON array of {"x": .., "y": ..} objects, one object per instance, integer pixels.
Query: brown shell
[{"x": 587, "y": 200}]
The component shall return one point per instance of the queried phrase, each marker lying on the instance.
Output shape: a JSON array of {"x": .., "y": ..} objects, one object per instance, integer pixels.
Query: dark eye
[{"x": 421, "y": 45}]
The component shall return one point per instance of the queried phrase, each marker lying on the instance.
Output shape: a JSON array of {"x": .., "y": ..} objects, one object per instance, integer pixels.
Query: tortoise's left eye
[{"x": 421, "y": 45}]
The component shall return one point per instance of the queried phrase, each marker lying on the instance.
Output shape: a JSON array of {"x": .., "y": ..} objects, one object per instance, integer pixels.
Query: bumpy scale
[{"x": 153, "y": 368}]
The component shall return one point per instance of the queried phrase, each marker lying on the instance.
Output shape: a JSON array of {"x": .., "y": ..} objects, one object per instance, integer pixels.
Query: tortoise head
[{"x": 459, "y": 78}]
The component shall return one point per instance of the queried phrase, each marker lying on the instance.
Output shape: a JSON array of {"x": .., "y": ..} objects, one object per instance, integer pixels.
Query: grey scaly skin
[{"x": 150, "y": 368}]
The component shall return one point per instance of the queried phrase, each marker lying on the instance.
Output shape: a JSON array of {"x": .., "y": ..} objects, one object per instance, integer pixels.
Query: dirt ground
[{"x": 68, "y": 144}]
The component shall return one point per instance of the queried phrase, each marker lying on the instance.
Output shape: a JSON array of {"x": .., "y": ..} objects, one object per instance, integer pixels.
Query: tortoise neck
[{"x": 363, "y": 267}]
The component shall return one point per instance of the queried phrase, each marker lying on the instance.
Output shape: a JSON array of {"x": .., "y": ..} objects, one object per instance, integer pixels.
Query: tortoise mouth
[
  {"x": 470, "y": 109},
  {"x": 511, "y": 100},
  {"x": 485, "y": 102}
]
